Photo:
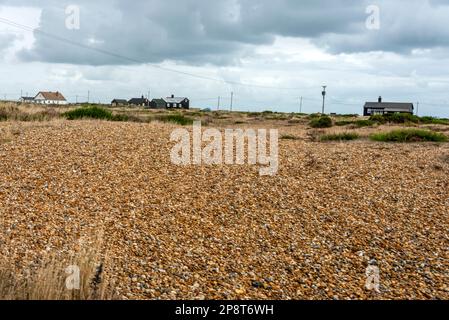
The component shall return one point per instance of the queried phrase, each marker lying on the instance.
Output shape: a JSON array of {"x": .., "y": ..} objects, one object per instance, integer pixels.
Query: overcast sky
[{"x": 269, "y": 53}]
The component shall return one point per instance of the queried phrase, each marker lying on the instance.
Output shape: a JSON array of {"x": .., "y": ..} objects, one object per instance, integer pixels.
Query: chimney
[
  {"x": 172, "y": 95},
  {"x": 380, "y": 99}
]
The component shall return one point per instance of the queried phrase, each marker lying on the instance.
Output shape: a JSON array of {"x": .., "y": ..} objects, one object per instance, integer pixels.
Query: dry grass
[{"x": 50, "y": 280}]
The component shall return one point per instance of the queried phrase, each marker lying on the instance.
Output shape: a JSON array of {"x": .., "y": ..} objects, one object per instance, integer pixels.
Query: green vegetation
[
  {"x": 97, "y": 113},
  {"x": 401, "y": 118},
  {"x": 398, "y": 118},
  {"x": 347, "y": 115},
  {"x": 410, "y": 135},
  {"x": 343, "y": 123},
  {"x": 432, "y": 120},
  {"x": 314, "y": 116},
  {"x": 175, "y": 118},
  {"x": 289, "y": 137},
  {"x": 347, "y": 136},
  {"x": 3, "y": 114},
  {"x": 358, "y": 123},
  {"x": 89, "y": 113},
  {"x": 322, "y": 122},
  {"x": 364, "y": 123}
]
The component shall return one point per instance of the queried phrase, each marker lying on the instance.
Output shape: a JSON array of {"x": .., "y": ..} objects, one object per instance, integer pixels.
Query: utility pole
[
  {"x": 88, "y": 96},
  {"x": 219, "y": 100},
  {"x": 76, "y": 99},
  {"x": 300, "y": 106},
  {"x": 232, "y": 100},
  {"x": 417, "y": 108},
  {"x": 149, "y": 92},
  {"x": 324, "y": 97}
]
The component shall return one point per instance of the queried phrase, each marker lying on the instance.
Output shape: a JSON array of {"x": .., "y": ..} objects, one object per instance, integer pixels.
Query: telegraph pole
[
  {"x": 300, "y": 106},
  {"x": 88, "y": 96},
  {"x": 417, "y": 108},
  {"x": 232, "y": 100},
  {"x": 219, "y": 100},
  {"x": 324, "y": 97}
]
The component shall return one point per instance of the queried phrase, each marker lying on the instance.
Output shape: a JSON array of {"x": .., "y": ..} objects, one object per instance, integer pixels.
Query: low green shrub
[
  {"x": 346, "y": 136},
  {"x": 410, "y": 135},
  {"x": 364, "y": 123},
  {"x": 432, "y": 120},
  {"x": 401, "y": 118},
  {"x": 89, "y": 113},
  {"x": 175, "y": 118},
  {"x": 343, "y": 123},
  {"x": 3, "y": 114},
  {"x": 398, "y": 118},
  {"x": 378, "y": 118},
  {"x": 348, "y": 115},
  {"x": 322, "y": 122},
  {"x": 314, "y": 116},
  {"x": 289, "y": 137}
]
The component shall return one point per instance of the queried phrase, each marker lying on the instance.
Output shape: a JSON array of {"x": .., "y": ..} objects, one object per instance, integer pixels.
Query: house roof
[
  {"x": 175, "y": 99},
  {"x": 27, "y": 98},
  {"x": 53, "y": 96},
  {"x": 391, "y": 106},
  {"x": 120, "y": 101},
  {"x": 138, "y": 101}
]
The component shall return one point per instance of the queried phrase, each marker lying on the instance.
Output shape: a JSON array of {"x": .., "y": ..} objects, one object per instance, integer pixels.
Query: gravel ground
[{"x": 224, "y": 232}]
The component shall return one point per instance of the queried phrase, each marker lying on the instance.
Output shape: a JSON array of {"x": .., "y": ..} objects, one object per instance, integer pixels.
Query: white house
[{"x": 50, "y": 98}]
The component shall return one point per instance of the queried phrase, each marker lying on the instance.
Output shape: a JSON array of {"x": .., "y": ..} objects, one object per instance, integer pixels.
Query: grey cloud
[
  {"x": 6, "y": 41},
  {"x": 221, "y": 32}
]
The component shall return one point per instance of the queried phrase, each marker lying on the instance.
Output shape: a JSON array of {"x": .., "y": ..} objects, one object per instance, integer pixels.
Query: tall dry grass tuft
[
  {"x": 31, "y": 113},
  {"x": 56, "y": 278}
]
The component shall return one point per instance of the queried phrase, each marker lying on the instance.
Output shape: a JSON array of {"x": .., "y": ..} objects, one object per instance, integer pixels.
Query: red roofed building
[{"x": 50, "y": 98}]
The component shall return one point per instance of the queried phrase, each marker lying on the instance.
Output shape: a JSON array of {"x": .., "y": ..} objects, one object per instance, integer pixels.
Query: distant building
[
  {"x": 50, "y": 98},
  {"x": 177, "y": 102},
  {"x": 141, "y": 102},
  {"x": 26, "y": 99},
  {"x": 158, "y": 104},
  {"x": 380, "y": 107},
  {"x": 119, "y": 102}
]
